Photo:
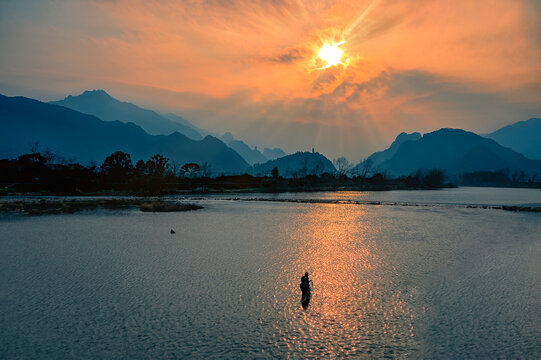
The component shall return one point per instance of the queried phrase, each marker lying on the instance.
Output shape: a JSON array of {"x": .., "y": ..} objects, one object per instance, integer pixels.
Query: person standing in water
[{"x": 305, "y": 286}]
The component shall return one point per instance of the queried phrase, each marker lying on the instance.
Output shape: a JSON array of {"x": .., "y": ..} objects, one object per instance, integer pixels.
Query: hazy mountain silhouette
[
  {"x": 227, "y": 137},
  {"x": 296, "y": 165},
  {"x": 380, "y": 156},
  {"x": 181, "y": 120},
  {"x": 86, "y": 137},
  {"x": 273, "y": 154},
  {"x": 456, "y": 151},
  {"x": 106, "y": 107},
  {"x": 252, "y": 156},
  {"x": 523, "y": 137}
]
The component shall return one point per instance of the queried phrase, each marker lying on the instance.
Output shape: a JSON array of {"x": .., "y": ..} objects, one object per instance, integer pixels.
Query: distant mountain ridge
[
  {"x": 88, "y": 138},
  {"x": 296, "y": 165},
  {"x": 252, "y": 156},
  {"x": 99, "y": 103},
  {"x": 455, "y": 151},
  {"x": 380, "y": 156},
  {"x": 274, "y": 153},
  {"x": 181, "y": 120},
  {"x": 523, "y": 137}
]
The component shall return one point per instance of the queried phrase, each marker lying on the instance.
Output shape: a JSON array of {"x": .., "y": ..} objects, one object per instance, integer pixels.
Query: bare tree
[
  {"x": 34, "y": 147},
  {"x": 365, "y": 167},
  {"x": 204, "y": 169},
  {"x": 173, "y": 167},
  {"x": 51, "y": 156},
  {"x": 514, "y": 176},
  {"x": 343, "y": 166},
  {"x": 303, "y": 171}
]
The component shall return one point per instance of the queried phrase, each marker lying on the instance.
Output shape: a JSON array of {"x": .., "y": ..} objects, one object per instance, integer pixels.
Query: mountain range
[
  {"x": 92, "y": 125},
  {"x": 84, "y": 137},
  {"x": 380, "y": 156},
  {"x": 274, "y": 153},
  {"x": 104, "y": 106},
  {"x": 523, "y": 137},
  {"x": 252, "y": 156},
  {"x": 453, "y": 150},
  {"x": 296, "y": 165}
]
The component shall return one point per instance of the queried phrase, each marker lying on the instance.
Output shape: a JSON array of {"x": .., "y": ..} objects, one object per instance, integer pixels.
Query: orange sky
[{"x": 250, "y": 67}]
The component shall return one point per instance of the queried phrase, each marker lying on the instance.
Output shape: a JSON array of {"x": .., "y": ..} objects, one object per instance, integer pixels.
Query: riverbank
[{"x": 68, "y": 206}]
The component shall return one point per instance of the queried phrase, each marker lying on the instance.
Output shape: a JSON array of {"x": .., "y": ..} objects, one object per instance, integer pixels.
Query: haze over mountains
[
  {"x": 252, "y": 156},
  {"x": 273, "y": 154},
  {"x": 106, "y": 107},
  {"x": 70, "y": 128},
  {"x": 296, "y": 165},
  {"x": 453, "y": 150},
  {"x": 523, "y": 137},
  {"x": 88, "y": 138},
  {"x": 380, "y": 156}
]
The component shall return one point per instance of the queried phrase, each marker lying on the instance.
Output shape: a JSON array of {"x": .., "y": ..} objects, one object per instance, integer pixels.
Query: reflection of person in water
[{"x": 305, "y": 285}]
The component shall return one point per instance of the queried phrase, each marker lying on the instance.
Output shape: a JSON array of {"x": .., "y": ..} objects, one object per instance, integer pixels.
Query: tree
[
  {"x": 343, "y": 166},
  {"x": 174, "y": 167},
  {"x": 46, "y": 153},
  {"x": 434, "y": 178},
  {"x": 378, "y": 179},
  {"x": 140, "y": 168},
  {"x": 117, "y": 165},
  {"x": 190, "y": 169},
  {"x": 34, "y": 147},
  {"x": 274, "y": 172},
  {"x": 204, "y": 169},
  {"x": 365, "y": 167},
  {"x": 318, "y": 168},
  {"x": 303, "y": 170},
  {"x": 157, "y": 165}
]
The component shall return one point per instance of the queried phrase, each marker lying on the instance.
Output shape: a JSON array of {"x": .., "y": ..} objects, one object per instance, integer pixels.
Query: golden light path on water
[{"x": 355, "y": 307}]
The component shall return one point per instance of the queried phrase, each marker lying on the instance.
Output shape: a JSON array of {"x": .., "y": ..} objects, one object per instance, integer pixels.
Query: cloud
[
  {"x": 287, "y": 57},
  {"x": 250, "y": 67}
]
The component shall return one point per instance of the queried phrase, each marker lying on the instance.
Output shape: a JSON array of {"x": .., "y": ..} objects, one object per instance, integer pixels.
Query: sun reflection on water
[{"x": 355, "y": 307}]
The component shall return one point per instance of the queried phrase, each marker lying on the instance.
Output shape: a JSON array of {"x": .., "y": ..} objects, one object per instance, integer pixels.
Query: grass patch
[
  {"x": 161, "y": 206},
  {"x": 66, "y": 206}
]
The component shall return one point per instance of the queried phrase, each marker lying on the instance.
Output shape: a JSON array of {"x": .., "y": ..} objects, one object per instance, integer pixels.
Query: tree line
[{"x": 43, "y": 171}]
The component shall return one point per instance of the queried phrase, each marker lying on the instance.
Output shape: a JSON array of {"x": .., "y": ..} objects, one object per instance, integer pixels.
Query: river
[{"x": 439, "y": 280}]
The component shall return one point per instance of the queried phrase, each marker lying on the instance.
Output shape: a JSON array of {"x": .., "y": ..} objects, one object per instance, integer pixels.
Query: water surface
[{"x": 397, "y": 282}]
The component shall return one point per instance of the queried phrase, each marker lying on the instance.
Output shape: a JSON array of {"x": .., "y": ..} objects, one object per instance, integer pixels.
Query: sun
[{"x": 331, "y": 54}]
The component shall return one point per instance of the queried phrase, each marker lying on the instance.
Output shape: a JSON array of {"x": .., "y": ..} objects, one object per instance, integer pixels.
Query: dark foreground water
[{"x": 389, "y": 281}]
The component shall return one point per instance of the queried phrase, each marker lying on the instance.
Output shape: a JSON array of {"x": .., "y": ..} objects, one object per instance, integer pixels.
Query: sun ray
[{"x": 331, "y": 54}]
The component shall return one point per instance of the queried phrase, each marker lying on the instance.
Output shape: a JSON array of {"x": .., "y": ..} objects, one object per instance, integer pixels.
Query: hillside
[
  {"x": 252, "y": 156},
  {"x": 273, "y": 154},
  {"x": 523, "y": 137},
  {"x": 87, "y": 138},
  {"x": 106, "y": 107},
  {"x": 379, "y": 157},
  {"x": 296, "y": 165},
  {"x": 456, "y": 151}
]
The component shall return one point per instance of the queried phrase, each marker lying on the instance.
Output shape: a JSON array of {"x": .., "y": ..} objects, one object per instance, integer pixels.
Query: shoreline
[{"x": 69, "y": 205}]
